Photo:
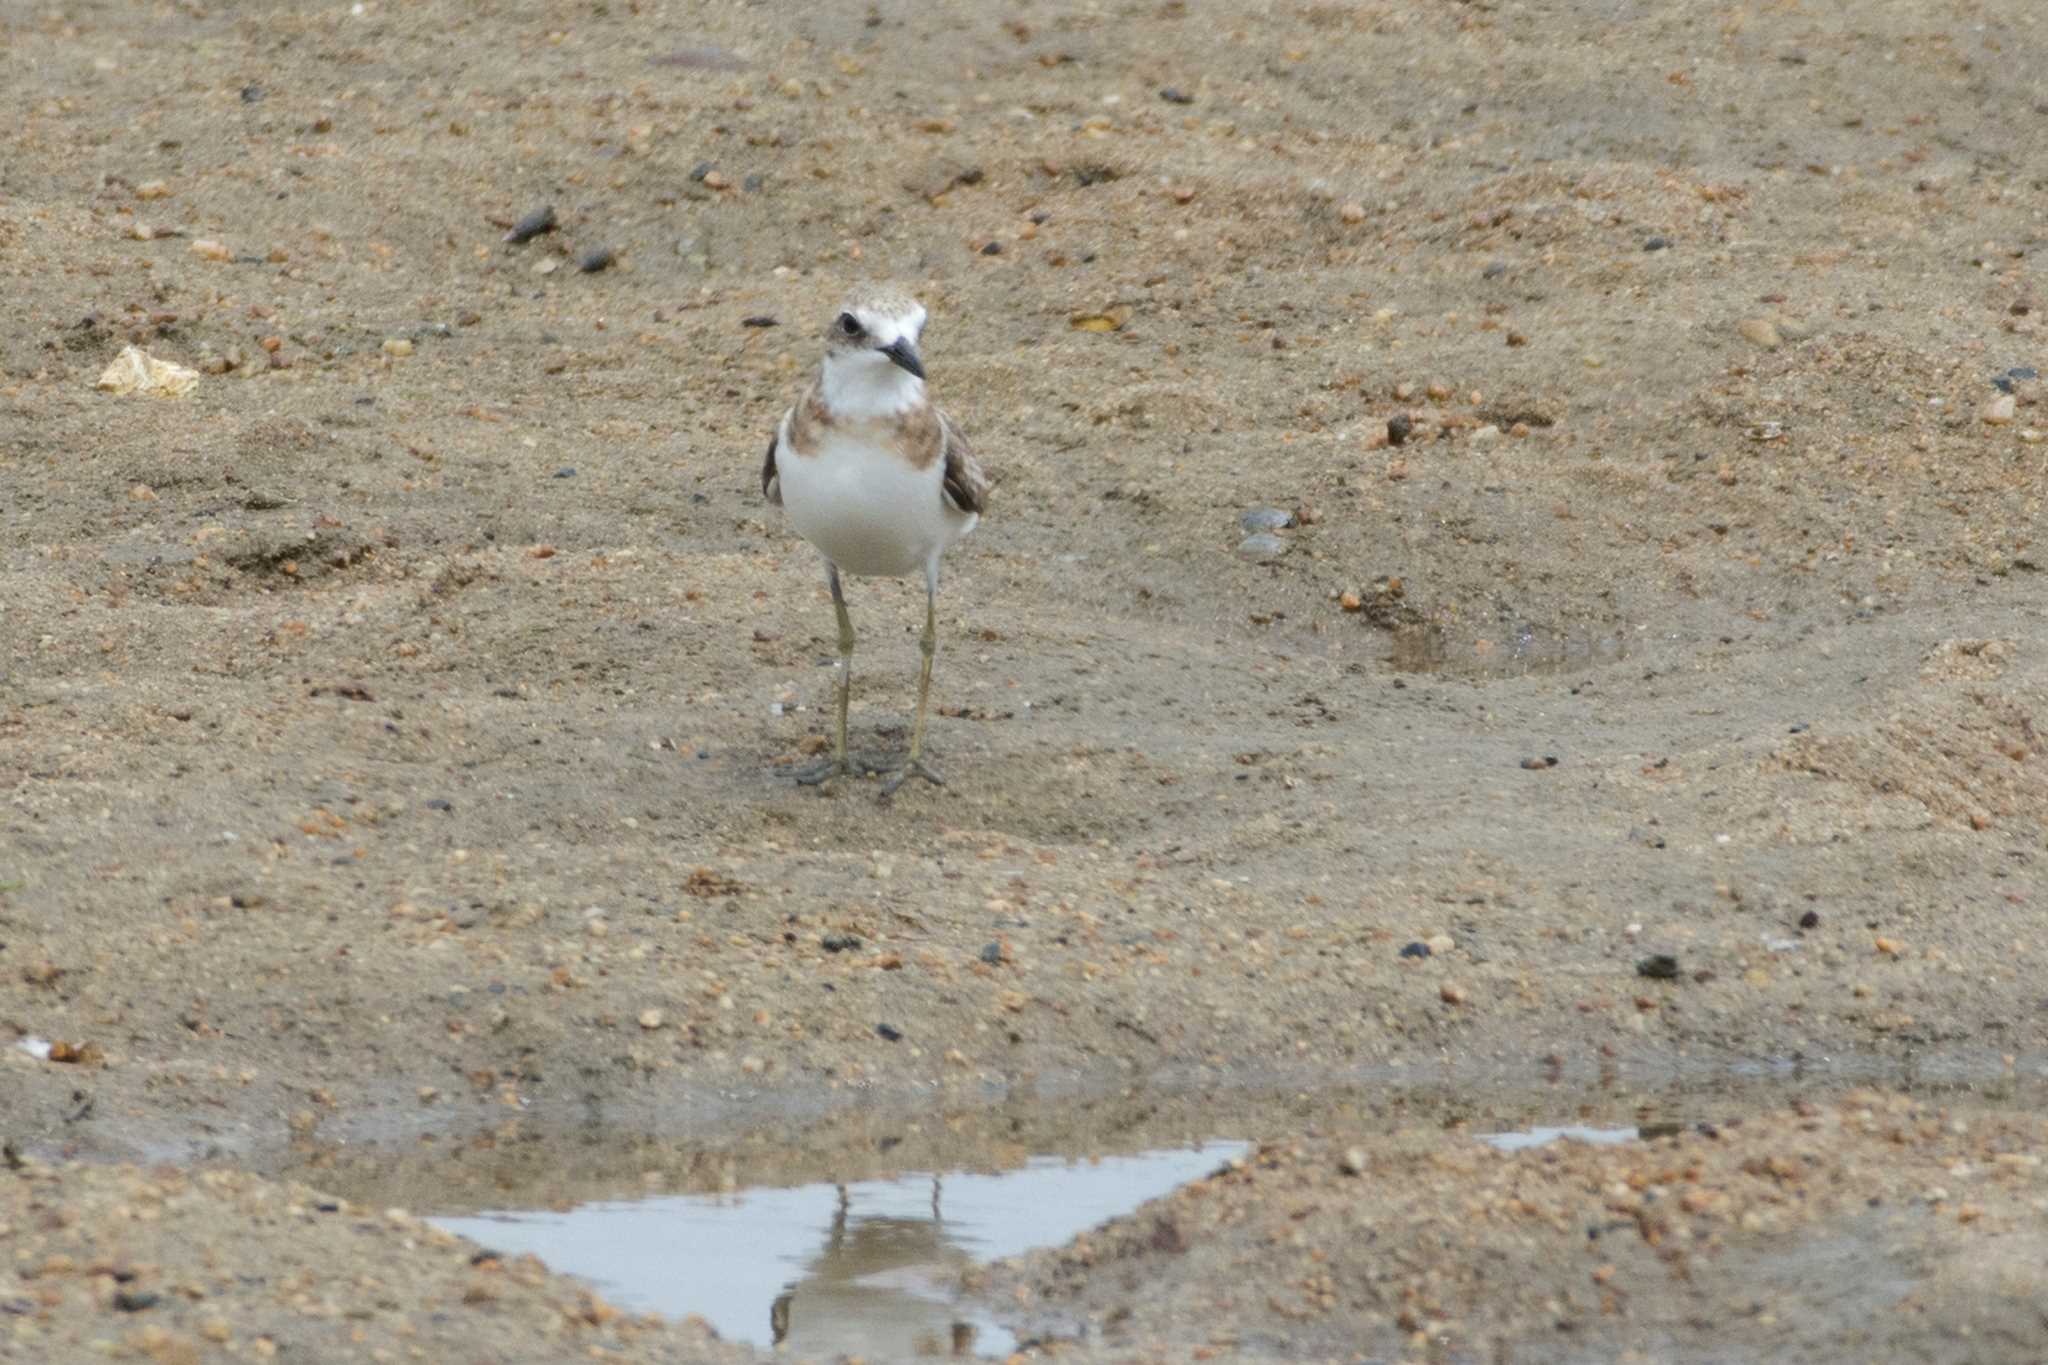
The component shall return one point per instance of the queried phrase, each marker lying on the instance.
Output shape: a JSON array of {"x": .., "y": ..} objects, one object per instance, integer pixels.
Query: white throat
[{"x": 867, "y": 384}]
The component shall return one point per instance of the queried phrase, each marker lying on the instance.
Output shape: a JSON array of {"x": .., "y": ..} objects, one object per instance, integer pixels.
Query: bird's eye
[{"x": 849, "y": 324}]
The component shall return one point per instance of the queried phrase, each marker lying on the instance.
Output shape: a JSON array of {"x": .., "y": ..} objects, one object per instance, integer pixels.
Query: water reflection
[{"x": 868, "y": 1268}]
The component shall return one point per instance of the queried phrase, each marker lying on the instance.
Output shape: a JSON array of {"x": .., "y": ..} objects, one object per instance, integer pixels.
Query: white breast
[{"x": 866, "y": 509}]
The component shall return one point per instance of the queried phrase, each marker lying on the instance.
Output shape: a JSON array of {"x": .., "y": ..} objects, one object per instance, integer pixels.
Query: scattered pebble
[
  {"x": 137, "y": 371},
  {"x": 1485, "y": 435},
  {"x": 2000, "y": 411},
  {"x": 1398, "y": 427},
  {"x": 1657, "y": 244},
  {"x": 1658, "y": 967},
  {"x": 207, "y": 248},
  {"x": 1760, "y": 332},
  {"x": 2004, "y": 383},
  {"x": 532, "y": 225},
  {"x": 1538, "y": 764},
  {"x": 1175, "y": 96},
  {"x": 1353, "y": 1162},
  {"x": 565, "y": 472},
  {"x": 596, "y": 259},
  {"x": 840, "y": 943},
  {"x": 1264, "y": 545},
  {"x": 1416, "y": 949},
  {"x": 992, "y": 249},
  {"x": 888, "y": 1033},
  {"x": 992, "y": 953},
  {"x": 398, "y": 347},
  {"x": 1451, "y": 993},
  {"x": 1810, "y": 920},
  {"x": 760, "y": 320},
  {"x": 1352, "y": 213},
  {"x": 1267, "y": 519}
]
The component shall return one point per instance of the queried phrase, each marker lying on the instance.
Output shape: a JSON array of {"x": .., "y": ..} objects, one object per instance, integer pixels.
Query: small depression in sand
[
  {"x": 1512, "y": 651},
  {"x": 870, "y": 1268}
]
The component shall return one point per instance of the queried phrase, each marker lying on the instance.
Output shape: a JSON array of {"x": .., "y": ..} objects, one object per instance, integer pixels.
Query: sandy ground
[{"x": 395, "y": 731}]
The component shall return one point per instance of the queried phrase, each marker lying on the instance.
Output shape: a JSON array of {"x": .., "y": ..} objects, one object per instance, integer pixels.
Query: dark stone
[
  {"x": 1398, "y": 427},
  {"x": 596, "y": 259},
  {"x": 533, "y": 225},
  {"x": 1174, "y": 96},
  {"x": 840, "y": 943},
  {"x": 759, "y": 320},
  {"x": 1657, "y": 244},
  {"x": 992, "y": 249},
  {"x": 888, "y": 1034},
  {"x": 439, "y": 803},
  {"x": 1658, "y": 967},
  {"x": 567, "y": 471},
  {"x": 136, "y": 1300},
  {"x": 1810, "y": 920},
  {"x": 992, "y": 954}
]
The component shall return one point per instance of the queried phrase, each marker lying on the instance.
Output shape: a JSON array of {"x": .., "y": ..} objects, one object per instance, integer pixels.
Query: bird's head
[{"x": 871, "y": 343}]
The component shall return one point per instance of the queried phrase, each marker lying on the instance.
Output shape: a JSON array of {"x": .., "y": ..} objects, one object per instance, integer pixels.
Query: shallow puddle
[
  {"x": 869, "y": 1268},
  {"x": 1542, "y": 1137}
]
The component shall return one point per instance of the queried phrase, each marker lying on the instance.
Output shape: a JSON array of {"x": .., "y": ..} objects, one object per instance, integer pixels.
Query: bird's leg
[
  {"x": 837, "y": 764},
  {"x": 927, "y": 646}
]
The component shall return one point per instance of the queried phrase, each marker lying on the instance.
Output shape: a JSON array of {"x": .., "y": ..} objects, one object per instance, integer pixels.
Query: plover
[{"x": 878, "y": 479}]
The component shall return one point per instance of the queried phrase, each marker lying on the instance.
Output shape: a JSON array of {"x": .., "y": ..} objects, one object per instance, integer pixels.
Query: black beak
[{"x": 905, "y": 354}]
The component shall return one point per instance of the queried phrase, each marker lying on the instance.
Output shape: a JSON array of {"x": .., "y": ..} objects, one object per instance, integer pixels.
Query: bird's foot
[
  {"x": 915, "y": 767},
  {"x": 823, "y": 771}
]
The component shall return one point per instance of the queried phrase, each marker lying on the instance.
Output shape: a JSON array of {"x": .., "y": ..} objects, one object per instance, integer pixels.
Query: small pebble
[
  {"x": 1352, "y": 213},
  {"x": 1658, "y": 967},
  {"x": 992, "y": 953},
  {"x": 136, "y": 1300},
  {"x": 759, "y": 320},
  {"x": 888, "y": 1034},
  {"x": 596, "y": 259},
  {"x": 1353, "y": 1162},
  {"x": 1494, "y": 270},
  {"x": 209, "y": 249},
  {"x": 532, "y": 225},
  {"x": 839, "y": 943},
  {"x": 1174, "y": 96},
  {"x": 1810, "y": 920},
  {"x": 1760, "y": 332},
  {"x": 1657, "y": 244},
  {"x": 1416, "y": 949},
  {"x": 398, "y": 347},
  {"x": 1485, "y": 435},
  {"x": 1999, "y": 411},
  {"x": 566, "y": 472},
  {"x": 992, "y": 249},
  {"x": 1451, "y": 993},
  {"x": 1538, "y": 764},
  {"x": 2005, "y": 383},
  {"x": 1398, "y": 427},
  {"x": 1264, "y": 545},
  {"x": 1267, "y": 519},
  {"x": 651, "y": 1019},
  {"x": 252, "y": 94}
]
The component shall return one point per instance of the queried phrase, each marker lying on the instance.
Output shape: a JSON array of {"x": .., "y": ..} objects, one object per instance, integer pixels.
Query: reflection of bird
[
  {"x": 878, "y": 479},
  {"x": 859, "y": 1296}
]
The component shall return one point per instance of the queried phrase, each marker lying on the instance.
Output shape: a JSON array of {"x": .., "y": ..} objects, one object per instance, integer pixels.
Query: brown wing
[
  {"x": 966, "y": 487},
  {"x": 771, "y": 482}
]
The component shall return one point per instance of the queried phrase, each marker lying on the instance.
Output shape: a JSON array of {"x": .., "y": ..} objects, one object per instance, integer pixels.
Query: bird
[{"x": 879, "y": 480}]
